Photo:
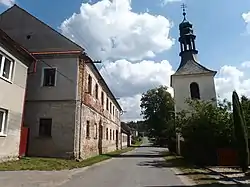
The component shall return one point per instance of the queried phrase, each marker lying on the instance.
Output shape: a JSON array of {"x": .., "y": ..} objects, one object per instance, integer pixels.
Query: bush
[{"x": 205, "y": 128}]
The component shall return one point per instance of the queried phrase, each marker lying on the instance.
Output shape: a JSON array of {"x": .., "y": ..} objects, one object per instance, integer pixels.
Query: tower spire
[
  {"x": 184, "y": 6},
  {"x": 187, "y": 37}
]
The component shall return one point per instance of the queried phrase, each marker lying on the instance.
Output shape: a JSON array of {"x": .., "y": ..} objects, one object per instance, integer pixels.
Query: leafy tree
[
  {"x": 205, "y": 127},
  {"x": 158, "y": 111}
]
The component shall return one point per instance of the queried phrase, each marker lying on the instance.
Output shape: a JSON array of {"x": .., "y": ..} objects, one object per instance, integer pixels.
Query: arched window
[{"x": 194, "y": 90}]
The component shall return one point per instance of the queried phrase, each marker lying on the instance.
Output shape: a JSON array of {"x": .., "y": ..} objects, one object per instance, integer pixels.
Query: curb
[{"x": 224, "y": 176}]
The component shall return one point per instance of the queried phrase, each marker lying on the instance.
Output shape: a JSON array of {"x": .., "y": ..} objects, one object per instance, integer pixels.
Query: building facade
[
  {"x": 69, "y": 110},
  {"x": 14, "y": 64}
]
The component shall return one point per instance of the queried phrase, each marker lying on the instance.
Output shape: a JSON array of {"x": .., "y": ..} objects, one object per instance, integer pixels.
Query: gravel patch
[{"x": 232, "y": 173}]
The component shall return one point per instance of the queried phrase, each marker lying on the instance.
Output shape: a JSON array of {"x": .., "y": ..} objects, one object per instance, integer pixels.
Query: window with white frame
[
  {"x": 3, "y": 121},
  {"x": 6, "y": 67},
  {"x": 49, "y": 76}
]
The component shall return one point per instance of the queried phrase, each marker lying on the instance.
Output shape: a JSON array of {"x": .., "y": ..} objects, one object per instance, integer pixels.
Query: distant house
[
  {"x": 14, "y": 64},
  {"x": 126, "y": 135},
  {"x": 70, "y": 110}
]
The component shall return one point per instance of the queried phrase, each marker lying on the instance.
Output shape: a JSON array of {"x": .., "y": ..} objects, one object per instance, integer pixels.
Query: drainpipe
[{"x": 80, "y": 128}]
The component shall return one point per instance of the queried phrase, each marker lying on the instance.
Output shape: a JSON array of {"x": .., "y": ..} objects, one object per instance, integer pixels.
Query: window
[
  {"x": 113, "y": 134},
  {"x": 110, "y": 134},
  {"x": 110, "y": 107},
  {"x": 102, "y": 98},
  {"x": 107, "y": 133},
  {"x": 45, "y": 127},
  {"x": 107, "y": 104},
  {"x": 6, "y": 67},
  {"x": 96, "y": 130},
  {"x": 96, "y": 91},
  {"x": 113, "y": 110},
  {"x": 89, "y": 84},
  {"x": 3, "y": 122},
  {"x": 88, "y": 130},
  {"x": 49, "y": 76},
  {"x": 194, "y": 90}
]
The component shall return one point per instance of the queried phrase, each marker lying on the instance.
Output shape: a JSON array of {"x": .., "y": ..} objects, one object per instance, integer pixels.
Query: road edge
[{"x": 185, "y": 180}]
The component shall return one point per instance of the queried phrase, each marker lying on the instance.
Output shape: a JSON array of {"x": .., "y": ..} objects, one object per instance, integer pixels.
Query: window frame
[
  {"x": 42, "y": 78},
  {"x": 43, "y": 135},
  {"x": 3, "y": 131},
  {"x": 12, "y": 65},
  {"x": 88, "y": 129},
  {"x": 90, "y": 84}
]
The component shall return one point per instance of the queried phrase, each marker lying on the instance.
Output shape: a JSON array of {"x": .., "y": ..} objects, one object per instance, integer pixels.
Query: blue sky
[
  {"x": 144, "y": 55},
  {"x": 218, "y": 25}
]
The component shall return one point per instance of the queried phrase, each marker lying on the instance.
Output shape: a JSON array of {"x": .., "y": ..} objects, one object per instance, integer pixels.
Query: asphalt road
[{"x": 143, "y": 167}]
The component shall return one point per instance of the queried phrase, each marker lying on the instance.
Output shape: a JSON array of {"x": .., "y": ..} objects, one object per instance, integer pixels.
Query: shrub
[{"x": 205, "y": 128}]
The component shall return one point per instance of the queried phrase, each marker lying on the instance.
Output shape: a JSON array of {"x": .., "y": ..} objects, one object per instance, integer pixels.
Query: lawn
[{"x": 48, "y": 164}]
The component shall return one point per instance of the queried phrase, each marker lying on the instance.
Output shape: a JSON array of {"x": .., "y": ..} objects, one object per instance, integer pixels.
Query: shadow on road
[
  {"x": 205, "y": 185},
  {"x": 136, "y": 156}
]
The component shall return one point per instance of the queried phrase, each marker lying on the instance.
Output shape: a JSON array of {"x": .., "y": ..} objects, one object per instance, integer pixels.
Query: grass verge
[
  {"x": 198, "y": 175},
  {"x": 49, "y": 164}
]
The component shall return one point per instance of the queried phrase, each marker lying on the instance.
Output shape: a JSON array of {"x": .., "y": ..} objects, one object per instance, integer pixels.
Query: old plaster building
[
  {"x": 14, "y": 65},
  {"x": 191, "y": 79},
  {"x": 69, "y": 108}
]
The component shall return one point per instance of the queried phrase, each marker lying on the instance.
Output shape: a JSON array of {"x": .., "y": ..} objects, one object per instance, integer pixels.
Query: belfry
[{"x": 191, "y": 79}]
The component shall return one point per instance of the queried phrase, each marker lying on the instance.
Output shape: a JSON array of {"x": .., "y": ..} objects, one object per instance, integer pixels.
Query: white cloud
[
  {"x": 110, "y": 30},
  {"x": 130, "y": 80},
  {"x": 165, "y": 2},
  {"x": 7, "y": 3},
  {"x": 232, "y": 78},
  {"x": 246, "y": 17},
  {"x": 246, "y": 64}
]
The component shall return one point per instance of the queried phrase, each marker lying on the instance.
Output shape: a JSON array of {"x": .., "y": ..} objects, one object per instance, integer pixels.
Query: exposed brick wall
[{"x": 96, "y": 113}]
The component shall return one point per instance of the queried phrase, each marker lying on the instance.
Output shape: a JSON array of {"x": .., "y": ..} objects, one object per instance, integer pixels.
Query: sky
[{"x": 137, "y": 40}]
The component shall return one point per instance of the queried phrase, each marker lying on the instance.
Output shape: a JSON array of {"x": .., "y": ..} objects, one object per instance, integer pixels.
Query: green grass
[
  {"x": 198, "y": 175},
  {"x": 48, "y": 164}
]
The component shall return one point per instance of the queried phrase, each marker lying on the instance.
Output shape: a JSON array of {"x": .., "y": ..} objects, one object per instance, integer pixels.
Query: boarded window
[
  {"x": 107, "y": 133},
  {"x": 194, "y": 90},
  {"x": 102, "y": 98},
  {"x": 89, "y": 84},
  {"x": 88, "y": 130},
  {"x": 45, "y": 127},
  {"x": 96, "y": 91},
  {"x": 107, "y": 104}
]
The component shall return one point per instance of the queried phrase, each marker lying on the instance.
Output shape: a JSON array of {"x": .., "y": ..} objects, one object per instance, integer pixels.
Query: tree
[
  {"x": 240, "y": 133},
  {"x": 158, "y": 111},
  {"x": 205, "y": 128}
]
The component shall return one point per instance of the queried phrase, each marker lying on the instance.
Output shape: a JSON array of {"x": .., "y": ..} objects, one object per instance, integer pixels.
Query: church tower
[{"x": 191, "y": 79}]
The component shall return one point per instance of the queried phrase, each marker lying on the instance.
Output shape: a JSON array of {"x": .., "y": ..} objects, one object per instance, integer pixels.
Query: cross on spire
[{"x": 184, "y": 6}]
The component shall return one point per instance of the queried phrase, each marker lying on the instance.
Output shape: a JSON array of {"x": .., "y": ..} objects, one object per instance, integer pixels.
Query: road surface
[{"x": 143, "y": 167}]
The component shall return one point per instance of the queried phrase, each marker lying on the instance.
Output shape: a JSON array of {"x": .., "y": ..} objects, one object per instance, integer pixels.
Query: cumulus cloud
[
  {"x": 134, "y": 78},
  {"x": 246, "y": 17},
  {"x": 7, "y": 3},
  {"x": 110, "y": 30},
  {"x": 165, "y": 2},
  {"x": 232, "y": 78}
]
